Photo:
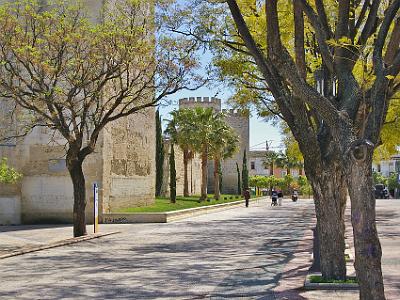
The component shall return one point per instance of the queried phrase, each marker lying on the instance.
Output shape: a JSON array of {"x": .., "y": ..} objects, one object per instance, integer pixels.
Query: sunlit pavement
[{"x": 260, "y": 252}]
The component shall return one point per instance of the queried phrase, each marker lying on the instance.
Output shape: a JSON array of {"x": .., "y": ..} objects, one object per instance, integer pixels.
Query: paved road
[{"x": 255, "y": 253}]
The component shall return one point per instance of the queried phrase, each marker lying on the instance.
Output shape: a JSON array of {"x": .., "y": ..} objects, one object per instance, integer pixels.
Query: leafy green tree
[
  {"x": 258, "y": 181},
  {"x": 172, "y": 175},
  {"x": 245, "y": 172},
  {"x": 353, "y": 117},
  {"x": 159, "y": 154},
  {"x": 379, "y": 178},
  {"x": 336, "y": 122},
  {"x": 8, "y": 174},
  {"x": 76, "y": 76},
  {"x": 392, "y": 182},
  {"x": 288, "y": 181}
]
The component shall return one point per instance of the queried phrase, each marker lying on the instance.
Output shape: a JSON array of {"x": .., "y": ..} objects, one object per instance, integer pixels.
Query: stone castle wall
[
  {"x": 129, "y": 162},
  {"x": 241, "y": 124},
  {"x": 123, "y": 165}
]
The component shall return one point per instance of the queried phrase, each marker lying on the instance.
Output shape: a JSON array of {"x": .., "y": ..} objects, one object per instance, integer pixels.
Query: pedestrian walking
[
  {"x": 274, "y": 198},
  {"x": 246, "y": 195}
]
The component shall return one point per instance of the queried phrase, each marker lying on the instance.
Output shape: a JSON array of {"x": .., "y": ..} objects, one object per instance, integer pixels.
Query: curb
[
  {"x": 328, "y": 286},
  {"x": 57, "y": 244},
  {"x": 171, "y": 216}
]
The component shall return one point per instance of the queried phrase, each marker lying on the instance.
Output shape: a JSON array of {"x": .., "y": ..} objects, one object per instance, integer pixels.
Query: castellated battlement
[
  {"x": 233, "y": 113},
  {"x": 205, "y": 102},
  {"x": 200, "y": 100}
]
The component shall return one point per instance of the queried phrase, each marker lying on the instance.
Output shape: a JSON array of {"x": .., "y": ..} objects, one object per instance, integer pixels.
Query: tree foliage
[
  {"x": 65, "y": 71},
  {"x": 7, "y": 173},
  {"x": 353, "y": 48}
]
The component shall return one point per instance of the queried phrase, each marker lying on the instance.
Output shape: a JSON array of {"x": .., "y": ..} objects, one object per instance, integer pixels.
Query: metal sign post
[{"x": 96, "y": 207}]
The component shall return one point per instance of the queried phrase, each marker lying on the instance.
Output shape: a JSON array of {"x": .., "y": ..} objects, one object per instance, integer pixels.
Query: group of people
[{"x": 276, "y": 197}]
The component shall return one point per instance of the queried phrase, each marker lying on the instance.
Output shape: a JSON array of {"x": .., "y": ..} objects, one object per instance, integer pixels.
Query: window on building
[{"x": 253, "y": 165}]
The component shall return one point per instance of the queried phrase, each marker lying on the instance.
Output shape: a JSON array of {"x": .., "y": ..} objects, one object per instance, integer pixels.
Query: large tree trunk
[
  {"x": 366, "y": 241},
  {"x": 216, "y": 179},
  {"x": 204, "y": 173},
  {"x": 185, "y": 173},
  {"x": 330, "y": 195},
  {"x": 74, "y": 165}
]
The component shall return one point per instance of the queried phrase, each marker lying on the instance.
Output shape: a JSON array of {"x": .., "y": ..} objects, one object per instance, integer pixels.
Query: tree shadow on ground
[{"x": 220, "y": 259}]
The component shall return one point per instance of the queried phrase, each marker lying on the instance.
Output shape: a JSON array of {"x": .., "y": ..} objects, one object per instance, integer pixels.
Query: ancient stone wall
[
  {"x": 129, "y": 162},
  {"x": 123, "y": 166}
]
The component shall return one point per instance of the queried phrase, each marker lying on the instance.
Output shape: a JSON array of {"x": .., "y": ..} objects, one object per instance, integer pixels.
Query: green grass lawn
[
  {"x": 319, "y": 279},
  {"x": 164, "y": 204}
]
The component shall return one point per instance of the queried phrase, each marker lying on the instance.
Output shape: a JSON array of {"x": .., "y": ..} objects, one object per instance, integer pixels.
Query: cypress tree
[
  {"x": 159, "y": 154},
  {"x": 245, "y": 172},
  {"x": 172, "y": 175},
  {"x": 239, "y": 184}
]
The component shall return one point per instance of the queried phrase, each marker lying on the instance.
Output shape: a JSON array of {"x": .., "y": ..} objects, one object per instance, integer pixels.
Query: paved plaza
[{"x": 261, "y": 252}]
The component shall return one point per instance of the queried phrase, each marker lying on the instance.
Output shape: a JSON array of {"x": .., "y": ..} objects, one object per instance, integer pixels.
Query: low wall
[
  {"x": 10, "y": 210},
  {"x": 165, "y": 217}
]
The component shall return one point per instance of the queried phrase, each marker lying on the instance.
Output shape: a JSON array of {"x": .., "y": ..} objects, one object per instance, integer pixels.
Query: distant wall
[
  {"x": 194, "y": 172},
  {"x": 10, "y": 210}
]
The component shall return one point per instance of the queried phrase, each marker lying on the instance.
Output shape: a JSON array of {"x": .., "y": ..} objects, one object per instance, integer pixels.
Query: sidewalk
[
  {"x": 21, "y": 237},
  {"x": 388, "y": 220}
]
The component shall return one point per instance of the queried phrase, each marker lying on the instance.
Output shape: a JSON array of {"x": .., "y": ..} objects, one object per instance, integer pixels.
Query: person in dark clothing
[
  {"x": 274, "y": 198},
  {"x": 246, "y": 195}
]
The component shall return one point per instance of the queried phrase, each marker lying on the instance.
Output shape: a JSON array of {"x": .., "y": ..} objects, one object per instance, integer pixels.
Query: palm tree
[
  {"x": 180, "y": 129},
  {"x": 270, "y": 160},
  {"x": 223, "y": 144},
  {"x": 204, "y": 126},
  {"x": 286, "y": 161}
]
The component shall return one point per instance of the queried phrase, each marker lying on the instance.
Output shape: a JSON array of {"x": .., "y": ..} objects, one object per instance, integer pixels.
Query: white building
[{"x": 387, "y": 167}]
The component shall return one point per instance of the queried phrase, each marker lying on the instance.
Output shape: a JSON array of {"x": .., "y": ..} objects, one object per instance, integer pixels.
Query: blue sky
[{"x": 260, "y": 131}]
